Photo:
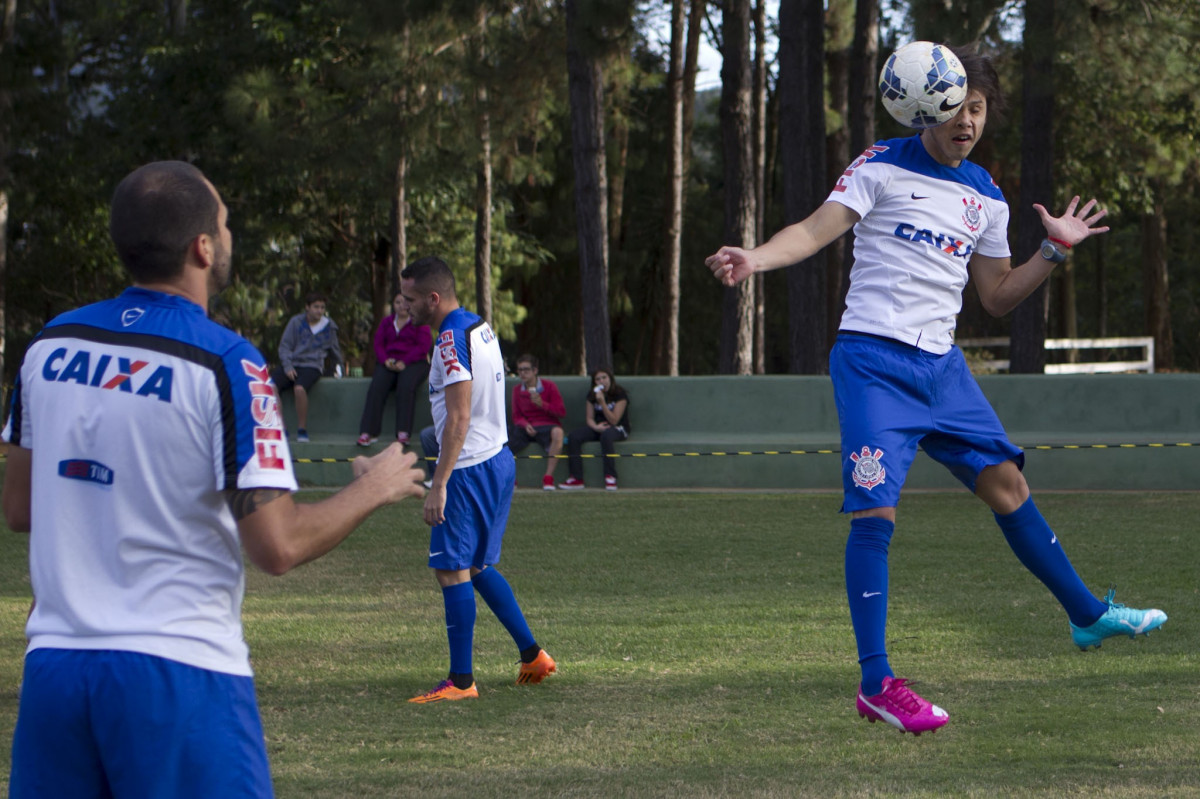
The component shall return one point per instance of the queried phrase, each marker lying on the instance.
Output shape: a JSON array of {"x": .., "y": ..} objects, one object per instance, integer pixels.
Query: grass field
[{"x": 705, "y": 651}]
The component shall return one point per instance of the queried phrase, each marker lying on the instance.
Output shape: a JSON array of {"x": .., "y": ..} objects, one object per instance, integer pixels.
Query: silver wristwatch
[{"x": 1051, "y": 253}]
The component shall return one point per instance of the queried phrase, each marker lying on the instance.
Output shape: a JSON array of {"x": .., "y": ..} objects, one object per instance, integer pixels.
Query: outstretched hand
[
  {"x": 394, "y": 472},
  {"x": 1073, "y": 227},
  {"x": 731, "y": 265}
]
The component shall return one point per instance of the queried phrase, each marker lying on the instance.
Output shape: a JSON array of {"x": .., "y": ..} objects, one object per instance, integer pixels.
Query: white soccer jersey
[
  {"x": 920, "y": 224},
  {"x": 467, "y": 349},
  {"x": 139, "y": 413}
]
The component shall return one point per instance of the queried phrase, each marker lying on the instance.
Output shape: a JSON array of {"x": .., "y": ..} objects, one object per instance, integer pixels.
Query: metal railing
[{"x": 1144, "y": 364}]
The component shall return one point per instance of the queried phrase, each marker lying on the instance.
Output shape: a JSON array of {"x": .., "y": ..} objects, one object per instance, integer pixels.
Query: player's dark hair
[
  {"x": 157, "y": 211},
  {"x": 314, "y": 296},
  {"x": 529, "y": 359},
  {"x": 431, "y": 274},
  {"x": 982, "y": 77}
]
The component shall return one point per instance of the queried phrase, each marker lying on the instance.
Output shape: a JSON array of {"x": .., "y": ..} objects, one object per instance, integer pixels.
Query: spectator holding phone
[{"x": 607, "y": 418}]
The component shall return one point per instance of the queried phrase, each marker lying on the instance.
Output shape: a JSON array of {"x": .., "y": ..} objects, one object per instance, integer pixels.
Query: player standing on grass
[
  {"x": 924, "y": 220},
  {"x": 471, "y": 492},
  {"x": 146, "y": 452}
]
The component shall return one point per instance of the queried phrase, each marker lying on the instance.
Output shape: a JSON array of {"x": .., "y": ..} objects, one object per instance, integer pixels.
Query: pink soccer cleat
[{"x": 901, "y": 707}]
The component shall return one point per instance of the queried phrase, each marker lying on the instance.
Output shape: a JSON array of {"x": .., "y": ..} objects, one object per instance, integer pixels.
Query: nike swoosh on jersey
[{"x": 915, "y": 196}]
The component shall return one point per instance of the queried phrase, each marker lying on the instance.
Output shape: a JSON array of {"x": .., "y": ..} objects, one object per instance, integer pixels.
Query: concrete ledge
[{"x": 783, "y": 413}]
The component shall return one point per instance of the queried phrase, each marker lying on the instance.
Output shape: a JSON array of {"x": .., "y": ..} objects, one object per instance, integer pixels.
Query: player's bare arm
[
  {"x": 1002, "y": 288},
  {"x": 278, "y": 534},
  {"x": 244, "y": 503},
  {"x": 793, "y": 244},
  {"x": 17, "y": 486},
  {"x": 454, "y": 434}
]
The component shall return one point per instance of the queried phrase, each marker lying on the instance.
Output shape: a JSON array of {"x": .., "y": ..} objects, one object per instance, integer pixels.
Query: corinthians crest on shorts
[{"x": 868, "y": 471}]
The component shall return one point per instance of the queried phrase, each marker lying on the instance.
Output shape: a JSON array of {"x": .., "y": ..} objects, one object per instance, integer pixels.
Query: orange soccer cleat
[
  {"x": 534, "y": 672},
  {"x": 446, "y": 692}
]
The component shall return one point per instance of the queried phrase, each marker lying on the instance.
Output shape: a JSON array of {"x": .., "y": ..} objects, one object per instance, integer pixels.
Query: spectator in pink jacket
[
  {"x": 402, "y": 363},
  {"x": 538, "y": 411}
]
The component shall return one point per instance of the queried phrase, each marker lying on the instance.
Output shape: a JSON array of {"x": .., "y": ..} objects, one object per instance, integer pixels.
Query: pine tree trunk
[
  {"x": 665, "y": 359},
  {"x": 8, "y": 18},
  {"x": 586, "y": 93},
  {"x": 177, "y": 15},
  {"x": 860, "y": 104},
  {"x": 1101, "y": 250},
  {"x": 864, "y": 71},
  {"x": 483, "y": 184},
  {"x": 398, "y": 223},
  {"x": 737, "y": 312},
  {"x": 760, "y": 178},
  {"x": 618, "y": 141},
  {"x": 802, "y": 146},
  {"x": 1158, "y": 298},
  {"x": 837, "y": 155},
  {"x": 1027, "y": 348},
  {"x": 691, "y": 60}
]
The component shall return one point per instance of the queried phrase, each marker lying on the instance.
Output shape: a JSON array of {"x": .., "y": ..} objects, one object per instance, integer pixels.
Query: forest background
[{"x": 558, "y": 155}]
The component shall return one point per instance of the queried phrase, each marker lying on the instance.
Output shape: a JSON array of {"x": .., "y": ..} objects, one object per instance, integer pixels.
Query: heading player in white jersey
[
  {"x": 468, "y": 503},
  {"x": 925, "y": 219},
  {"x": 146, "y": 452}
]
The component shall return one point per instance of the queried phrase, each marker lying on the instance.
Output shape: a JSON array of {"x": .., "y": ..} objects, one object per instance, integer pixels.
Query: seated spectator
[
  {"x": 308, "y": 338},
  {"x": 607, "y": 418},
  {"x": 402, "y": 364},
  {"x": 538, "y": 411}
]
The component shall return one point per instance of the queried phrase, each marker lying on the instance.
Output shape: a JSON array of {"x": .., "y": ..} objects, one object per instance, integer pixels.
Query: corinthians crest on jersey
[{"x": 868, "y": 471}]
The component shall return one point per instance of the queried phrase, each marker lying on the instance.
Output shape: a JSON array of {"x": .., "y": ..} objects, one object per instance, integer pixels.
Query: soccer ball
[{"x": 922, "y": 84}]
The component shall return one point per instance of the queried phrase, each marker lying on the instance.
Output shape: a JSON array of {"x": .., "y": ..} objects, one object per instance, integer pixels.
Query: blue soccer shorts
[
  {"x": 111, "y": 723},
  {"x": 478, "y": 499},
  {"x": 891, "y": 399}
]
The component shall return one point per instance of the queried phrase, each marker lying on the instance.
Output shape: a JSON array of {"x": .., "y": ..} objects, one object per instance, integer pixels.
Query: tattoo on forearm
[{"x": 243, "y": 503}]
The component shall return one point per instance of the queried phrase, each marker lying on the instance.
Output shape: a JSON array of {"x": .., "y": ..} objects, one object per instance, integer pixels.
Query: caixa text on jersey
[
  {"x": 110, "y": 372},
  {"x": 942, "y": 241}
]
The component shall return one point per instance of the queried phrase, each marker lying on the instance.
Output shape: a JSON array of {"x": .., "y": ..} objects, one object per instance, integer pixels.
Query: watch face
[{"x": 1050, "y": 253}]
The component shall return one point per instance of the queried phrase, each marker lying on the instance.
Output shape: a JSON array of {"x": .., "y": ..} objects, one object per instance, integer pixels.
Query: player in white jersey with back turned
[
  {"x": 925, "y": 219},
  {"x": 146, "y": 451},
  {"x": 467, "y": 506}
]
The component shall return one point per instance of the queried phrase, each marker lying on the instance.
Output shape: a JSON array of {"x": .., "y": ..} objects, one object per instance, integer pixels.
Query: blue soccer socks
[
  {"x": 867, "y": 591},
  {"x": 1037, "y": 547},
  {"x": 498, "y": 595},
  {"x": 460, "y": 625}
]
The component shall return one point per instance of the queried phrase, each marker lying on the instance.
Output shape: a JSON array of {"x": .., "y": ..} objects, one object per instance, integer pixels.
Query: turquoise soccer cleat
[{"x": 1117, "y": 620}]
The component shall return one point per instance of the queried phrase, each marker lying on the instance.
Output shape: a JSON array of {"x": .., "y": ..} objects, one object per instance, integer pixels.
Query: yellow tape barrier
[
  {"x": 787, "y": 452},
  {"x": 777, "y": 452}
]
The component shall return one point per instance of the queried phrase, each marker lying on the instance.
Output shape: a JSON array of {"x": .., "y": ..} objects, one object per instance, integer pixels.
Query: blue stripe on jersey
[
  {"x": 908, "y": 153},
  {"x": 177, "y": 327}
]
